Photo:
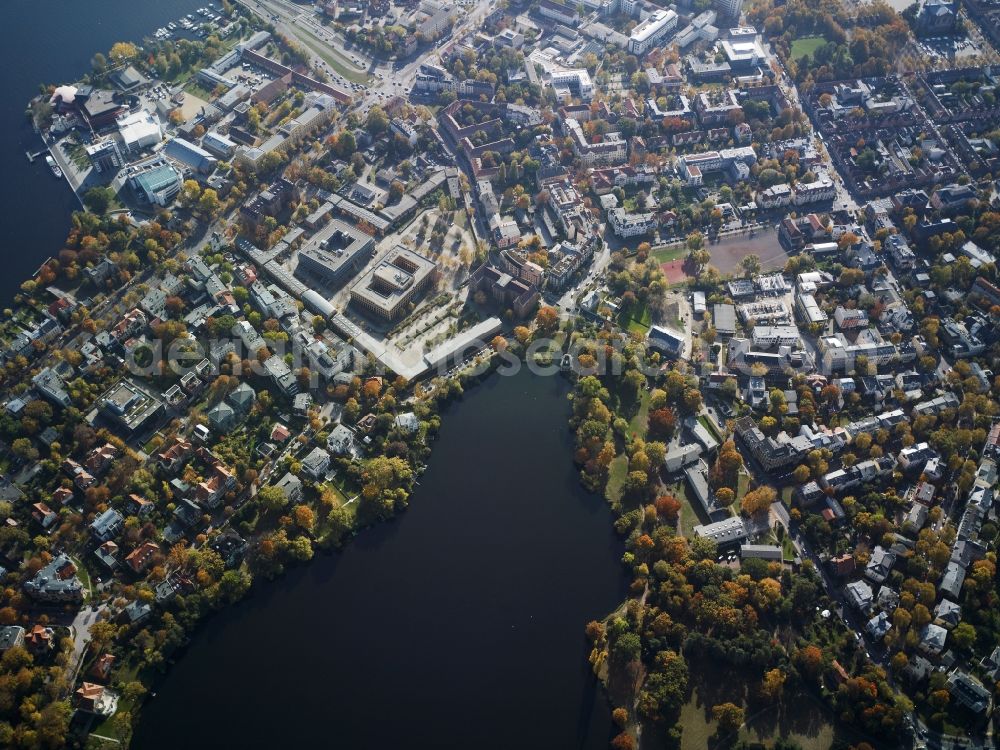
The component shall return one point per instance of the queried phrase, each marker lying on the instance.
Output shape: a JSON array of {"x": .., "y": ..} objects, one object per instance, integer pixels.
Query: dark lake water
[
  {"x": 52, "y": 41},
  {"x": 459, "y": 625}
]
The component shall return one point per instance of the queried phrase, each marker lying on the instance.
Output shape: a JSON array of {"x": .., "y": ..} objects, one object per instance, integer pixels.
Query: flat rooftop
[
  {"x": 333, "y": 249},
  {"x": 128, "y": 404},
  {"x": 393, "y": 281}
]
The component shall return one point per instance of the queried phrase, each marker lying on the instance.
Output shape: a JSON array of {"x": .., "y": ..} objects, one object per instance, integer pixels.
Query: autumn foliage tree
[
  {"x": 810, "y": 660},
  {"x": 623, "y": 741},
  {"x": 662, "y": 422},
  {"x": 727, "y": 466},
  {"x": 758, "y": 500},
  {"x": 772, "y": 684},
  {"x": 669, "y": 507},
  {"x": 547, "y": 319}
]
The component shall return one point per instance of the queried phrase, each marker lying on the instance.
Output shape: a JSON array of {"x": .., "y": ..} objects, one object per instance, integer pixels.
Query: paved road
[
  {"x": 386, "y": 81},
  {"x": 80, "y": 628}
]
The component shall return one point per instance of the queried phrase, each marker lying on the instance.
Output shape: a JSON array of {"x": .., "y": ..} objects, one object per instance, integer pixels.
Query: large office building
[
  {"x": 651, "y": 31},
  {"x": 387, "y": 289},
  {"x": 743, "y": 50},
  {"x": 559, "y": 12},
  {"x": 139, "y": 130},
  {"x": 568, "y": 83},
  {"x": 105, "y": 155},
  {"x": 335, "y": 253},
  {"x": 190, "y": 155},
  {"x": 731, "y": 9},
  {"x": 625, "y": 224},
  {"x": 611, "y": 149},
  {"x": 218, "y": 144},
  {"x": 128, "y": 405},
  {"x": 157, "y": 185},
  {"x": 729, "y": 532}
]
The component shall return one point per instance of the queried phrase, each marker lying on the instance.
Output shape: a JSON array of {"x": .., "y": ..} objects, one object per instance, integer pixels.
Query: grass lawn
[
  {"x": 697, "y": 729},
  {"x": 616, "y": 478},
  {"x": 346, "y": 488},
  {"x": 195, "y": 89},
  {"x": 335, "y": 488},
  {"x": 639, "y": 423},
  {"x": 807, "y": 45},
  {"x": 83, "y": 574},
  {"x": 635, "y": 326},
  {"x": 786, "y": 496},
  {"x": 101, "y": 741},
  {"x": 689, "y": 515},
  {"x": 787, "y": 548},
  {"x": 809, "y": 727},
  {"x": 668, "y": 254},
  {"x": 336, "y": 61},
  {"x": 709, "y": 425},
  {"x": 742, "y": 484},
  {"x": 637, "y": 320}
]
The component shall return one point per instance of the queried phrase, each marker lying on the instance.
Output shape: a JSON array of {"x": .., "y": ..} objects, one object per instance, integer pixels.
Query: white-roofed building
[
  {"x": 651, "y": 31},
  {"x": 139, "y": 130}
]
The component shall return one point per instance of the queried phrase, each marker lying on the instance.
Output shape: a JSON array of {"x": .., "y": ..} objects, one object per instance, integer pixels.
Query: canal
[{"x": 460, "y": 624}]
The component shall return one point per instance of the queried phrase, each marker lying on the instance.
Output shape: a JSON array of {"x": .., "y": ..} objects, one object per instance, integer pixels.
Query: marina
[{"x": 191, "y": 23}]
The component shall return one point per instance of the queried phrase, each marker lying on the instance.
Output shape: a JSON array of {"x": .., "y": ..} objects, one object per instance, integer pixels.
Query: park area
[
  {"x": 800, "y": 719},
  {"x": 806, "y": 46}
]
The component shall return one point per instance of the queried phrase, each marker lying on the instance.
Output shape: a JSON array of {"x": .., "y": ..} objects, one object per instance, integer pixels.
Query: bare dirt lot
[{"x": 728, "y": 252}]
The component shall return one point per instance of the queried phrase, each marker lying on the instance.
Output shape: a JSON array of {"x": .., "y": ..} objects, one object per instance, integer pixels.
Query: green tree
[
  {"x": 751, "y": 266},
  {"x": 627, "y": 648},
  {"x": 377, "y": 121},
  {"x": 729, "y": 715},
  {"x": 97, "y": 199},
  {"x": 963, "y": 636},
  {"x": 24, "y": 448},
  {"x": 233, "y": 585},
  {"x": 273, "y": 498}
]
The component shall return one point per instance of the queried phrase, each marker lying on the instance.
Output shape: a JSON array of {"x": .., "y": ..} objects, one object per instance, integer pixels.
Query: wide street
[{"x": 386, "y": 81}]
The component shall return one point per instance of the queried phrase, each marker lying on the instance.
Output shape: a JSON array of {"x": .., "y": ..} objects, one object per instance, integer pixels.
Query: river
[{"x": 458, "y": 625}]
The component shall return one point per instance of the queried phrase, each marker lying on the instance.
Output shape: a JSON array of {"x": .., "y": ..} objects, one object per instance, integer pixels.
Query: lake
[
  {"x": 460, "y": 624},
  {"x": 52, "y": 41}
]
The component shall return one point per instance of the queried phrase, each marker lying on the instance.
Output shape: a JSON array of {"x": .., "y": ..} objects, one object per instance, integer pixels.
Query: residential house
[
  {"x": 969, "y": 692},
  {"x": 316, "y": 464},
  {"x": 947, "y": 614},
  {"x": 56, "y": 582},
  {"x": 291, "y": 486},
  {"x": 40, "y": 640},
  {"x": 96, "y": 699},
  {"x": 340, "y": 441},
  {"x": 107, "y": 553},
  {"x": 932, "y": 639},
  {"x": 142, "y": 556},
  {"x": 107, "y": 525},
  {"x": 859, "y": 595},
  {"x": 11, "y": 636}
]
